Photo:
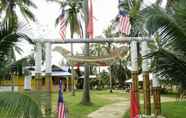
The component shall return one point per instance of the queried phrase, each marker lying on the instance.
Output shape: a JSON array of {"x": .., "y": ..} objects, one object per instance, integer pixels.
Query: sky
[{"x": 46, "y": 13}]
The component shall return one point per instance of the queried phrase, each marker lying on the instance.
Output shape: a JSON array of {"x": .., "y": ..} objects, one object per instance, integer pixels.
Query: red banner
[{"x": 134, "y": 104}]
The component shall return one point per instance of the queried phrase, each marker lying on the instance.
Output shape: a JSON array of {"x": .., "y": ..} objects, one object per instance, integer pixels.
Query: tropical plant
[
  {"x": 17, "y": 105},
  {"x": 73, "y": 12},
  {"x": 120, "y": 73},
  {"x": 169, "y": 49},
  {"x": 9, "y": 7},
  {"x": 8, "y": 39}
]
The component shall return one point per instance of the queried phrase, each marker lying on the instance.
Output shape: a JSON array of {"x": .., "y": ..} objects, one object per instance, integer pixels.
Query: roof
[
  {"x": 54, "y": 74},
  {"x": 56, "y": 70}
]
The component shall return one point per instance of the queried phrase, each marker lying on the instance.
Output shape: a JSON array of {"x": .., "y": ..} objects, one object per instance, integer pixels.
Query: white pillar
[
  {"x": 38, "y": 58},
  {"x": 134, "y": 56},
  {"x": 27, "y": 82},
  {"x": 48, "y": 57},
  {"x": 155, "y": 81}
]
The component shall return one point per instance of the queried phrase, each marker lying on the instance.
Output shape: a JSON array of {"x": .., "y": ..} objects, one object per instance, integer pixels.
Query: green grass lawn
[
  {"x": 170, "y": 110},
  {"x": 98, "y": 98}
]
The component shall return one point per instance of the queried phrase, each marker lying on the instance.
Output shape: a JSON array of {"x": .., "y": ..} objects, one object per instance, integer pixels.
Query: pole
[
  {"x": 96, "y": 40},
  {"x": 146, "y": 81},
  {"x": 38, "y": 61},
  {"x": 86, "y": 94},
  {"x": 72, "y": 76},
  {"x": 110, "y": 78},
  {"x": 134, "y": 75},
  {"x": 48, "y": 78}
]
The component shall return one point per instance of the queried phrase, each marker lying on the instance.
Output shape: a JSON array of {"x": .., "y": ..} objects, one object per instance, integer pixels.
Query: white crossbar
[{"x": 96, "y": 40}]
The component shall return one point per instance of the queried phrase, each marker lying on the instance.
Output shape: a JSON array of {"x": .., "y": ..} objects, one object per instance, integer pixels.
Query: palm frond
[{"x": 18, "y": 105}]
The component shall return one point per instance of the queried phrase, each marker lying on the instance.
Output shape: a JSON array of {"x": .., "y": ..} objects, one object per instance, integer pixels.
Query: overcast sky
[{"x": 46, "y": 13}]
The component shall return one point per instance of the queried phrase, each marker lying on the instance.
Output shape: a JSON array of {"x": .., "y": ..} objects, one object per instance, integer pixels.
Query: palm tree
[
  {"x": 8, "y": 7},
  {"x": 169, "y": 29},
  {"x": 86, "y": 94},
  {"x": 73, "y": 11},
  {"x": 8, "y": 39},
  {"x": 169, "y": 49},
  {"x": 19, "y": 105}
]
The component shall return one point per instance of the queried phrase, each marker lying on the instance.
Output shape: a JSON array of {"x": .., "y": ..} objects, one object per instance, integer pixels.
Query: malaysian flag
[
  {"x": 63, "y": 26},
  {"x": 124, "y": 22},
  {"x": 61, "y": 105}
]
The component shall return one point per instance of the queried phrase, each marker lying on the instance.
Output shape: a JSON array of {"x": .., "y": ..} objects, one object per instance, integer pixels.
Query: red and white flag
[
  {"x": 63, "y": 24},
  {"x": 61, "y": 105},
  {"x": 124, "y": 22}
]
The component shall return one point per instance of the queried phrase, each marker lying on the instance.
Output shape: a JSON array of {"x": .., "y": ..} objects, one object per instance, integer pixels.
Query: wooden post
[
  {"x": 110, "y": 78},
  {"x": 134, "y": 63},
  {"x": 156, "y": 95},
  {"x": 73, "y": 82},
  {"x": 67, "y": 83},
  {"x": 146, "y": 81}
]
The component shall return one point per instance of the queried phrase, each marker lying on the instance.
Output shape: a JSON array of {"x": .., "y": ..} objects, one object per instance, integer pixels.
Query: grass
[
  {"x": 77, "y": 110},
  {"x": 170, "y": 110}
]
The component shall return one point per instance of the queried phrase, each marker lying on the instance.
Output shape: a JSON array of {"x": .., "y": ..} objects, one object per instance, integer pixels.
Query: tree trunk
[
  {"x": 72, "y": 77},
  {"x": 110, "y": 78},
  {"x": 86, "y": 95},
  {"x": 157, "y": 103},
  {"x": 156, "y": 95},
  {"x": 146, "y": 91}
]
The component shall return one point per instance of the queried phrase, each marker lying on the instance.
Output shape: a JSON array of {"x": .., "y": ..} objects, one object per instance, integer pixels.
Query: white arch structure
[{"x": 133, "y": 44}]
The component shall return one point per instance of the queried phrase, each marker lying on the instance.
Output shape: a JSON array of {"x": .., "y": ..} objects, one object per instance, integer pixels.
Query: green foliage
[
  {"x": 73, "y": 9},
  {"x": 16, "y": 105},
  {"x": 8, "y": 39},
  {"x": 169, "y": 46},
  {"x": 120, "y": 73},
  {"x": 9, "y": 8}
]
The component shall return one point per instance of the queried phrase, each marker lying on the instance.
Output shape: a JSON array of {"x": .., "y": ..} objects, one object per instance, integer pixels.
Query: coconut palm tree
[
  {"x": 73, "y": 10},
  {"x": 8, "y": 7},
  {"x": 170, "y": 49},
  {"x": 17, "y": 105},
  {"x": 8, "y": 39}
]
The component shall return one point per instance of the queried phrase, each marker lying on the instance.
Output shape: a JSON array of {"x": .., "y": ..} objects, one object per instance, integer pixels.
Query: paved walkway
[{"x": 117, "y": 110}]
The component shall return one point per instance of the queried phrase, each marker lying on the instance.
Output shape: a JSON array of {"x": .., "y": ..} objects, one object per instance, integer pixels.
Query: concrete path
[{"x": 115, "y": 110}]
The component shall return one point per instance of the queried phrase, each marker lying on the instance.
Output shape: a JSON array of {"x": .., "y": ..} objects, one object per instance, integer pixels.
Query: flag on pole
[
  {"x": 134, "y": 104},
  {"x": 61, "y": 105},
  {"x": 90, "y": 20},
  {"x": 124, "y": 21},
  {"x": 62, "y": 21},
  {"x": 81, "y": 28}
]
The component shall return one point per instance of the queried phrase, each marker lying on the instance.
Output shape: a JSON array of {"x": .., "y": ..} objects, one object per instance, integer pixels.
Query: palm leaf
[{"x": 16, "y": 105}]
